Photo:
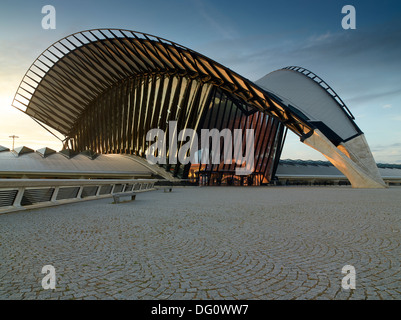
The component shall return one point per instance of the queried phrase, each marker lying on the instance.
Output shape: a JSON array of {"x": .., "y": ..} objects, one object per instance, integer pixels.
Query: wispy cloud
[
  {"x": 215, "y": 19},
  {"x": 390, "y": 153},
  {"x": 386, "y": 146},
  {"x": 317, "y": 39},
  {"x": 374, "y": 50},
  {"x": 362, "y": 97}
]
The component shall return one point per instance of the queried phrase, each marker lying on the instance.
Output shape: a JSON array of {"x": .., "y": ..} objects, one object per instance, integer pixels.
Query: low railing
[{"x": 22, "y": 194}]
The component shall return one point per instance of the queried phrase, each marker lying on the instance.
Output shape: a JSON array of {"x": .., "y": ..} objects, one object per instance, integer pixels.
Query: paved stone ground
[{"x": 209, "y": 243}]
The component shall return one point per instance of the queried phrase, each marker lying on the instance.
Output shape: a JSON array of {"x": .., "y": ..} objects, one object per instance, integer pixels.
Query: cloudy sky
[{"x": 250, "y": 37}]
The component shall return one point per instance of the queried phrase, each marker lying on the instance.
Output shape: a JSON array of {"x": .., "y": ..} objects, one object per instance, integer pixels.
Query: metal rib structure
[
  {"x": 72, "y": 72},
  {"x": 104, "y": 89}
]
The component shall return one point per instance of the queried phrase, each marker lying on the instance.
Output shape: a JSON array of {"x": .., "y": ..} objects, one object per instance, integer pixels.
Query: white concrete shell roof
[
  {"x": 304, "y": 91},
  {"x": 35, "y": 163}
]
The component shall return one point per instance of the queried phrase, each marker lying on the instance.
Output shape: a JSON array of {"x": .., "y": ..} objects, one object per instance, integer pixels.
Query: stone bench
[{"x": 118, "y": 196}]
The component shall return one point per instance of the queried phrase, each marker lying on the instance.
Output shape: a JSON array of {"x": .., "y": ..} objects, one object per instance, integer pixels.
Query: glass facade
[{"x": 119, "y": 119}]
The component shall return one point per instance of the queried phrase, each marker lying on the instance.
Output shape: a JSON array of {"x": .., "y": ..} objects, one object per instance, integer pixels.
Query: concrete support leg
[{"x": 352, "y": 158}]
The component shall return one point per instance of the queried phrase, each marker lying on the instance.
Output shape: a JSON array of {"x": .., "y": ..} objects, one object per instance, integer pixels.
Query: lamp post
[{"x": 14, "y": 137}]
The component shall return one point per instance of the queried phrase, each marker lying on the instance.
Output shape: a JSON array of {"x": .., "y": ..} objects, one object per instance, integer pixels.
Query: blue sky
[{"x": 252, "y": 38}]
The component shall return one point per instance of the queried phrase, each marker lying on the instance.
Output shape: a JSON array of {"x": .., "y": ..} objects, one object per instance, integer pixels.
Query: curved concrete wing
[
  {"x": 336, "y": 135},
  {"x": 307, "y": 96}
]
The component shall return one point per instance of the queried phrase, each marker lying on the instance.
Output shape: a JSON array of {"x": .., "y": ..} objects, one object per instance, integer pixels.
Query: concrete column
[
  {"x": 352, "y": 158},
  {"x": 18, "y": 197}
]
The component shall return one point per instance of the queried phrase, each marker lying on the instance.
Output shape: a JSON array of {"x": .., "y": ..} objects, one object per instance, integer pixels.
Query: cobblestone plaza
[{"x": 209, "y": 243}]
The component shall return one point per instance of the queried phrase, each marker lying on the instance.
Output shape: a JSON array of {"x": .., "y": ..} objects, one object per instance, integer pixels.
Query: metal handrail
[{"x": 18, "y": 188}]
